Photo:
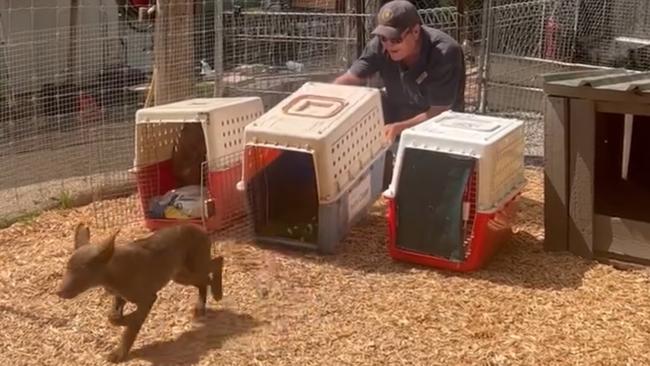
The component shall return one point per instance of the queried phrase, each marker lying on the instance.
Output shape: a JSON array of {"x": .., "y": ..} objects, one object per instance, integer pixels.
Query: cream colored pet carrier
[{"x": 314, "y": 163}]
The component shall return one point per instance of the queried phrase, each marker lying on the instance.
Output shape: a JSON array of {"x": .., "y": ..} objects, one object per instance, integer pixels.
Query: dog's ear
[
  {"x": 81, "y": 235},
  {"x": 107, "y": 246}
]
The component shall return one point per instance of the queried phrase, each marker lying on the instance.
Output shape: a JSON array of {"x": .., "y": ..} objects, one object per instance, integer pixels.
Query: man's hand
[
  {"x": 391, "y": 131},
  {"x": 349, "y": 79}
]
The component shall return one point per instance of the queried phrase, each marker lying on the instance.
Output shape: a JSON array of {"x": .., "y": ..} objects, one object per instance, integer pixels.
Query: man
[{"x": 422, "y": 69}]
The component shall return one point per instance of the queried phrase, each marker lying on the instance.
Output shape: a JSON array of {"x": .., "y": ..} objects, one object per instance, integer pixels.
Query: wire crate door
[{"x": 125, "y": 199}]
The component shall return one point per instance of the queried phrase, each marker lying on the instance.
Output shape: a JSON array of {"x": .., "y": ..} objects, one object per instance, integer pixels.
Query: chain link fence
[
  {"x": 524, "y": 39},
  {"x": 73, "y": 75},
  {"x": 74, "y": 72}
]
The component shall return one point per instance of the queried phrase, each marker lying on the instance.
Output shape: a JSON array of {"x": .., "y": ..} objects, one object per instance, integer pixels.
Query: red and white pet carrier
[
  {"x": 212, "y": 155},
  {"x": 452, "y": 195}
]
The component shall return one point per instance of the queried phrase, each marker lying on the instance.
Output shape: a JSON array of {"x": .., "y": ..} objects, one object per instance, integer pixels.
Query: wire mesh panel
[
  {"x": 514, "y": 41},
  {"x": 271, "y": 54},
  {"x": 613, "y": 33},
  {"x": 526, "y": 38},
  {"x": 78, "y": 101},
  {"x": 65, "y": 102},
  {"x": 74, "y": 72},
  {"x": 72, "y": 75},
  {"x": 522, "y": 40}
]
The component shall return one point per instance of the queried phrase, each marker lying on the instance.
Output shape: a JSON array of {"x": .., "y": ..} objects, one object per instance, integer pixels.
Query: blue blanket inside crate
[{"x": 180, "y": 203}]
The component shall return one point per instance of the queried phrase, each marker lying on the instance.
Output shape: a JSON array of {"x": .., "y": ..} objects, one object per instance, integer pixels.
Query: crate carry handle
[{"x": 296, "y": 108}]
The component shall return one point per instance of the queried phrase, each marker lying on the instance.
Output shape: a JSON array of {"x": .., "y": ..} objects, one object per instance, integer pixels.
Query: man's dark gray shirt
[{"x": 437, "y": 79}]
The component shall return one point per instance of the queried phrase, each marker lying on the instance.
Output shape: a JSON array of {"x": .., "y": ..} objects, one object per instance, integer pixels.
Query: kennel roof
[{"x": 600, "y": 84}]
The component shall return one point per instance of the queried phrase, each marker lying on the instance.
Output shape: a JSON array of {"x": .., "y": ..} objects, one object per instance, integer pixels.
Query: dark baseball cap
[{"x": 395, "y": 17}]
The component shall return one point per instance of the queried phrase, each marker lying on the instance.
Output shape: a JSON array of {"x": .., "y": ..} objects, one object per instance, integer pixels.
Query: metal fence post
[
  {"x": 361, "y": 26},
  {"x": 460, "y": 30},
  {"x": 218, "y": 48},
  {"x": 486, "y": 36}
]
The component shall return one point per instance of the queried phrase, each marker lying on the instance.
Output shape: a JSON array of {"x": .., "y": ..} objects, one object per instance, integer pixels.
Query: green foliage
[
  {"x": 27, "y": 218},
  {"x": 65, "y": 200}
]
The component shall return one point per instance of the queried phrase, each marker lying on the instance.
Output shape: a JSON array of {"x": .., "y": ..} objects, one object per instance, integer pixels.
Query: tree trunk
[{"x": 173, "y": 51}]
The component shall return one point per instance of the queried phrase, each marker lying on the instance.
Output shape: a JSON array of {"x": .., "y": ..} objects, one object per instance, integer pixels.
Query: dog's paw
[
  {"x": 116, "y": 356},
  {"x": 199, "y": 312},
  {"x": 217, "y": 294},
  {"x": 117, "y": 319},
  {"x": 216, "y": 288}
]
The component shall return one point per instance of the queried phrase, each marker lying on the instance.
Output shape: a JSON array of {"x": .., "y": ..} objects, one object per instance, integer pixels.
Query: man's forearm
[
  {"x": 349, "y": 79},
  {"x": 419, "y": 118}
]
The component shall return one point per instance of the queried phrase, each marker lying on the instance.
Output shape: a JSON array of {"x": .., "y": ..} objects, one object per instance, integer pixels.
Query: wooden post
[
  {"x": 556, "y": 166},
  {"x": 581, "y": 179},
  {"x": 173, "y": 51},
  {"x": 345, "y": 49},
  {"x": 218, "y": 48}
]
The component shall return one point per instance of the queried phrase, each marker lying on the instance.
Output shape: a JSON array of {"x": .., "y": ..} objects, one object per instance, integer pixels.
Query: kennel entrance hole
[
  {"x": 285, "y": 199},
  {"x": 615, "y": 196},
  {"x": 429, "y": 203}
]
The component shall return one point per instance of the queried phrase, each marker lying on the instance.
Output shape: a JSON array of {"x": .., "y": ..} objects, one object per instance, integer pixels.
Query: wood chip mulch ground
[{"x": 288, "y": 307}]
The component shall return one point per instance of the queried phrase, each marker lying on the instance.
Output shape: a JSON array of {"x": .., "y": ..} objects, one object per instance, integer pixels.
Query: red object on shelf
[{"x": 550, "y": 38}]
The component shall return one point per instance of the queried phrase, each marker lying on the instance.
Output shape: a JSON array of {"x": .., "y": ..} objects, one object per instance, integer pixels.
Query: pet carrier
[
  {"x": 452, "y": 195},
  {"x": 188, "y": 160},
  {"x": 313, "y": 165}
]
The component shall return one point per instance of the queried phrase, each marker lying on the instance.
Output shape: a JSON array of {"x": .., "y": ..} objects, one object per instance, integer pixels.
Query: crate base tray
[
  {"x": 274, "y": 240},
  {"x": 211, "y": 224},
  {"x": 157, "y": 224}
]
